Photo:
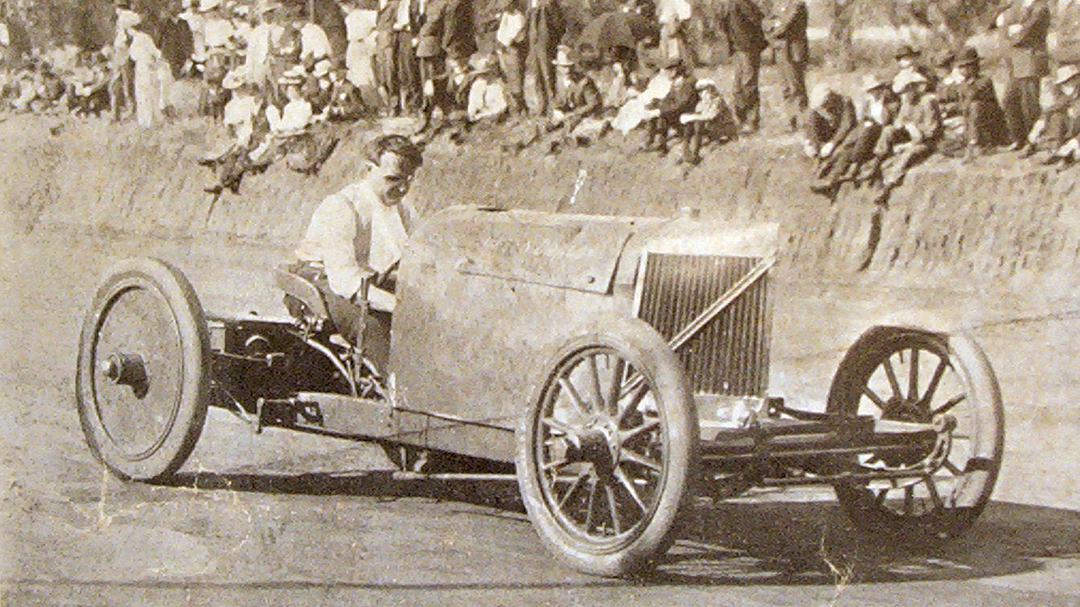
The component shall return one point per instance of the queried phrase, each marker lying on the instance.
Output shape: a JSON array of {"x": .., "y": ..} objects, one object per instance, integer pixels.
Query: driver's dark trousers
[{"x": 350, "y": 320}]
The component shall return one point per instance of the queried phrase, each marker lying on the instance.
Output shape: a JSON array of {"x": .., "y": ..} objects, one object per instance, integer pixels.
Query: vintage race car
[{"x": 616, "y": 367}]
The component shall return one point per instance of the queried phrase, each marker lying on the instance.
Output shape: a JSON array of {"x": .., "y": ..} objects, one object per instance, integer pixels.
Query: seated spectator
[
  {"x": 346, "y": 102},
  {"x": 244, "y": 122},
  {"x": 88, "y": 88},
  {"x": 877, "y": 110},
  {"x": 984, "y": 120},
  {"x": 711, "y": 121},
  {"x": 909, "y": 61},
  {"x": 828, "y": 121},
  {"x": 913, "y": 134},
  {"x": 317, "y": 86},
  {"x": 682, "y": 98},
  {"x": 577, "y": 104},
  {"x": 285, "y": 123},
  {"x": 487, "y": 93},
  {"x": 1058, "y": 130}
]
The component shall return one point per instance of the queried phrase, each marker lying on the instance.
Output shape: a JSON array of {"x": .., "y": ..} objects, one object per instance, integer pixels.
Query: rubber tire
[
  {"x": 650, "y": 354},
  {"x": 973, "y": 366},
  {"x": 191, "y": 406}
]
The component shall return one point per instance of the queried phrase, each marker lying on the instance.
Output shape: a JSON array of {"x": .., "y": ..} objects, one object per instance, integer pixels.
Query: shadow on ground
[{"x": 749, "y": 541}]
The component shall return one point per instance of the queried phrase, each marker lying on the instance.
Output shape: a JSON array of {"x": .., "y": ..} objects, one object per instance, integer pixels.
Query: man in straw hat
[
  {"x": 1058, "y": 129},
  {"x": 576, "y": 95},
  {"x": 877, "y": 110},
  {"x": 913, "y": 134}
]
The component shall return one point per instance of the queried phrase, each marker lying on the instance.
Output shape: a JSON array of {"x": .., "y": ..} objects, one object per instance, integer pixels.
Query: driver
[{"x": 354, "y": 243}]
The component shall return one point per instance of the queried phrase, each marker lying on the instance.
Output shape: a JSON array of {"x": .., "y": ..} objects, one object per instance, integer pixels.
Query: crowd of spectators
[{"x": 283, "y": 77}]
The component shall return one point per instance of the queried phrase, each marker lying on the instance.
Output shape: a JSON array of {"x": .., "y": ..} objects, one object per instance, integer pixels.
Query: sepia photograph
[{"x": 539, "y": 302}]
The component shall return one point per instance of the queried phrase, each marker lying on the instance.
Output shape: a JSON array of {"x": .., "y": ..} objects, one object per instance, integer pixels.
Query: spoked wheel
[
  {"x": 143, "y": 379},
  {"x": 607, "y": 451},
  {"x": 910, "y": 375}
]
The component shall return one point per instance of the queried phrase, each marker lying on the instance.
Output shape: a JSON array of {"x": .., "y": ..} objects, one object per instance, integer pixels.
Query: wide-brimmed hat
[
  {"x": 905, "y": 51},
  {"x": 704, "y": 83},
  {"x": 820, "y": 94},
  {"x": 293, "y": 75},
  {"x": 872, "y": 82},
  {"x": 234, "y": 79},
  {"x": 321, "y": 68},
  {"x": 565, "y": 57},
  {"x": 907, "y": 78},
  {"x": 967, "y": 57},
  {"x": 208, "y": 5},
  {"x": 1066, "y": 73}
]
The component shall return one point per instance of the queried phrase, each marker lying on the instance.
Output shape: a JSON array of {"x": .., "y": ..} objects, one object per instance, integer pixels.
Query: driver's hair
[{"x": 396, "y": 144}]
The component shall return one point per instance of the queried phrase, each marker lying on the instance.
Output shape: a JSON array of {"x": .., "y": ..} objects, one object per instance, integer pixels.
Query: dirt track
[{"x": 282, "y": 519}]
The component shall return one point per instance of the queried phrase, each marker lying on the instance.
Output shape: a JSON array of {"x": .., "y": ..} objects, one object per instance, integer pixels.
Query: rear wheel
[
  {"x": 607, "y": 451},
  {"x": 142, "y": 383},
  {"x": 910, "y": 375}
]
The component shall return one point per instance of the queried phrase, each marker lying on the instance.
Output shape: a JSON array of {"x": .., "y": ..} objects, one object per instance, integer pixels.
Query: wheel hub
[
  {"x": 599, "y": 445},
  {"x": 126, "y": 370}
]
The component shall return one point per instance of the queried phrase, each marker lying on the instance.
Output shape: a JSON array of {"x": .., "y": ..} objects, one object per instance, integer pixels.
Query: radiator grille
[{"x": 730, "y": 355}]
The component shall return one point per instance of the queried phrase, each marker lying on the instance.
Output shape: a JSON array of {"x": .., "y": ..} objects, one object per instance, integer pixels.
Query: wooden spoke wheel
[
  {"x": 143, "y": 378},
  {"x": 606, "y": 452},
  {"x": 909, "y": 375}
]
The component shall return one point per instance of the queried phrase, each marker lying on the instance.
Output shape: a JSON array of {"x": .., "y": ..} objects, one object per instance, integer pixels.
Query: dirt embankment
[{"x": 996, "y": 219}]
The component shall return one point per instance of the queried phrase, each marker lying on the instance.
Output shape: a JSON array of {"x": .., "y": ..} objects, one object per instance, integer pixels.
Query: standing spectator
[
  {"x": 510, "y": 40},
  {"x": 261, "y": 40},
  {"x": 360, "y": 28},
  {"x": 148, "y": 62},
  {"x": 122, "y": 81},
  {"x": 984, "y": 119},
  {"x": 218, "y": 36},
  {"x": 673, "y": 16},
  {"x": 431, "y": 57},
  {"x": 407, "y": 22},
  {"x": 741, "y": 21},
  {"x": 1026, "y": 36},
  {"x": 546, "y": 29},
  {"x": 197, "y": 24},
  {"x": 788, "y": 31},
  {"x": 386, "y": 57}
]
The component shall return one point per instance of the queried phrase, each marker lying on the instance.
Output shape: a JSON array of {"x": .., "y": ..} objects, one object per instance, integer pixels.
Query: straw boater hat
[
  {"x": 820, "y": 94},
  {"x": 565, "y": 57},
  {"x": 208, "y": 5},
  {"x": 1066, "y": 73},
  {"x": 872, "y": 82},
  {"x": 705, "y": 83},
  {"x": 906, "y": 79},
  {"x": 292, "y": 76},
  {"x": 321, "y": 68},
  {"x": 234, "y": 80}
]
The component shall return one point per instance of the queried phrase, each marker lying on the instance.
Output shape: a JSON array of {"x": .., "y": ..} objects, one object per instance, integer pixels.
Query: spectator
[
  {"x": 877, "y": 110},
  {"x": 915, "y": 132},
  {"x": 360, "y": 27},
  {"x": 122, "y": 81},
  {"x": 741, "y": 22},
  {"x": 261, "y": 40},
  {"x": 682, "y": 98},
  {"x": 1025, "y": 34},
  {"x": 314, "y": 43},
  {"x": 787, "y": 28},
  {"x": 577, "y": 100},
  {"x": 828, "y": 121},
  {"x": 984, "y": 120},
  {"x": 1058, "y": 129},
  {"x": 510, "y": 42},
  {"x": 711, "y": 121},
  {"x": 487, "y": 93},
  {"x": 346, "y": 101},
  {"x": 673, "y": 15},
  {"x": 909, "y": 60},
  {"x": 386, "y": 58},
  {"x": 197, "y": 24},
  {"x": 407, "y": 22},
  {"x": 546, "y": 29}
]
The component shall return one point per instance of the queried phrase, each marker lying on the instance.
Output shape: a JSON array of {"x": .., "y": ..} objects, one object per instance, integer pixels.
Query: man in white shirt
[{"x": 354, "y": 242}]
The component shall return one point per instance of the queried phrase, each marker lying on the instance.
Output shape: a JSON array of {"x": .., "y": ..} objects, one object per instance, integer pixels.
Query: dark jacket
[
  {"x": 546, "y": 27},
  {"x": 789, "y": 29},
  {"x": 741, "y": 21},
  {"x": 984, "y": 120},
  {"x": 1029, "y": 57}
]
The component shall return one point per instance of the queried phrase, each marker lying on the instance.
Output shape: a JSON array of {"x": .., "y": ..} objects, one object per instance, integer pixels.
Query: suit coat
[
  {"x": 741, "y": 21},
  {"x": 1028, "y": 56},
  {"x": 789, "y": 28},
  {"x": 546, "y": 27}
]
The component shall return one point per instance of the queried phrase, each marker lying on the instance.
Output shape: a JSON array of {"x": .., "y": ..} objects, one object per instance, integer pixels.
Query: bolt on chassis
[{"x": 616, "y": 367}]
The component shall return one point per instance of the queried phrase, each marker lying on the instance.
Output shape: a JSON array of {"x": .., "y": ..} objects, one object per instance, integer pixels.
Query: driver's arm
[{"x": 335, "y": 235}]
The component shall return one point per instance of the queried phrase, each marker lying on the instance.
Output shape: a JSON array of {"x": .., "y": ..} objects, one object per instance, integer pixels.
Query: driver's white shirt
[{"x": 352, "y": 233}]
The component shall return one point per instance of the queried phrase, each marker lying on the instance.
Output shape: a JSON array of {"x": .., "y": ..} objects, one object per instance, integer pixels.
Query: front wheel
[
  {"x": 143, "y": 380},
  {"x": 606, "y": 454},
  {"x": 910, "y": 375}
]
